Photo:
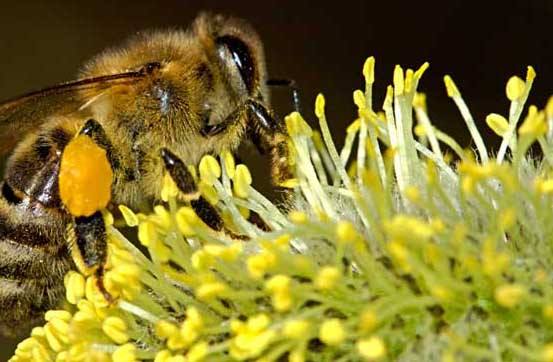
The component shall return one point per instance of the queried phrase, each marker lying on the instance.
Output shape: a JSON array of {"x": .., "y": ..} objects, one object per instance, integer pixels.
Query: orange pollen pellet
[{"x": 85, "y": 177}]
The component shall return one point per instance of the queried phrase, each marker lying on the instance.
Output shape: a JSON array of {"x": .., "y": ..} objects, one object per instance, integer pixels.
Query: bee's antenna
[{"x": 291, "y": 84}]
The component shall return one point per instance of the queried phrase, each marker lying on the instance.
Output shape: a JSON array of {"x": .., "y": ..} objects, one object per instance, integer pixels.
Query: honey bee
[{"x": 156, "y": 104}]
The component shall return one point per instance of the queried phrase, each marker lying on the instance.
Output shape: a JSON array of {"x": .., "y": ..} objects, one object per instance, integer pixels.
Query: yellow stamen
[
  {"x": 242, "y": 181},
  {"x": 320, "y": 106},
  {"x": 210, "y": 170},
  {"x": 125, "y": 353},
  {"x": 116, "y": 329},
  {"x": 509, "y": 295},
  {"x": 515, "y": 88},
  {"x": 451, "y": 88},
  {"x": 368, "y": 70},
  {"x": 497, "y": 123},
  {"x": 372, "y": 348},
  {"x": 130, "y": 217},
  {"x": 327, "y": 278},
  {"x": 399, "y": 82},
  {"x": 332, "y": 332}
]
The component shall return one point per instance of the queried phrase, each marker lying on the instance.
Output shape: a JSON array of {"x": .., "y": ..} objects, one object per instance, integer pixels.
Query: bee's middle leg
[{"x": 187, "y": 186}]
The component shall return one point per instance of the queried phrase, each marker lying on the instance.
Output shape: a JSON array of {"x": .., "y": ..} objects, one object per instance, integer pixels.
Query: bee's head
[
  {"x": 196, "y": 78},
  {"x": 236, "y": 51}
]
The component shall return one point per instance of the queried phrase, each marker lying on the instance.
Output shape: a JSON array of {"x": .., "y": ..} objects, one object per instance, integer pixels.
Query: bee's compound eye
[{"x": 241, "y": 57}]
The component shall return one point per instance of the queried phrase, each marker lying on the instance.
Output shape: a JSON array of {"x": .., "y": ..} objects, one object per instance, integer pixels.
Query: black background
[{"x": 321, "y": 46}]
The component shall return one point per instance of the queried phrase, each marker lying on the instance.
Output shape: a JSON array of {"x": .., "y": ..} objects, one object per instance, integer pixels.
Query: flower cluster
[{"x": 400, "y": 246}]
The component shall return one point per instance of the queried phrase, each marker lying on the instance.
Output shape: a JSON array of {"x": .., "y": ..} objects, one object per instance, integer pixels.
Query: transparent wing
[{"x": 20, "y": 115}]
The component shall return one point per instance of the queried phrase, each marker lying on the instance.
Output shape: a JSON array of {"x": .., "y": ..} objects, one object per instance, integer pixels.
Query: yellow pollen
[
  {"x": 359, "y": 99},
  {"x": 125, "y": 353},
  {"x": 130, "y": 217},
  {"x": 210, "y": 290},
  {"x": 228, "y": 163},
  {"x": 208, "y": 192},
  {"x": 165, "y": 329},
  {"x": 296, "y": 125},
  {"x": 530, "y": 74},
  {"x": 290, "y": 183},
  {"x": 320, "y": 106},
  {"x": 242, "y": 181},
  {"x": 116, "y": 329},
  {"x": 147, "y": 233},
  {"x": 186, "y": 220},
  {"x": 419, "y": 101},
  {"x": 259, "y": 264},
  {"x": 421, "y": 70},
  {"x": 409, "y": 74},
  {"x": 497, "y": 123},
  {"x": 507, "y": 218},
  {"x": 53, "y": 338},
  {"x": 419, "y": 130},
  {"x": 389, "y": 96},
  {"x": 332, "y": 332},
  {"x": 163, "y": 356},
  {"x": 197, "y": 352},
  {"x": 169, "y": 189},
  {"x": 412, "y": 193},
  {"x": 368, "y": 70},
  {"x": 372, "y": 348},
  {"x": 548, "y": 311},
  {"x": 201, "y": 260},
  {"x": 296, "y": 329},
  {"x": 297, "y": 355},
  {"x": 399, "y": 82},
  {"x": 210, "y": 170},
  {"x": 327, "y": 278},
  {"x": 345, "y": 232},
  {"x": 278, "y": 283},
  {"x": 547, "y": 353},
  {"x": 441, "y": 293},
  {"x": 298, "y": 217},
  {"x": 85, "y": 177},
  {"x": 354, "y": 126},
  {"x": 534, "y": 124},
  {"x": 509, "y": 295},
  {"x": 74, "y": 287},
  {"x": 368, "y": 321},
  {"x": 451, "y": 88},
  {"x": 515, "y": 88}
]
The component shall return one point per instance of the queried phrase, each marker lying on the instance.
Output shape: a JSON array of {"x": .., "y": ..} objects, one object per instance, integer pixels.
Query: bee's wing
[{"x": 20, "y": 115}]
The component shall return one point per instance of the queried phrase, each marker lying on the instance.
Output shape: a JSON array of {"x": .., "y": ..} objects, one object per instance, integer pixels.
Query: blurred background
[{"x": 322, "y": 46}]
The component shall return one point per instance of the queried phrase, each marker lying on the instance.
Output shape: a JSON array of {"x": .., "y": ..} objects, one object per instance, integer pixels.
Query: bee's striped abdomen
[{"x": 34, "y": 256}]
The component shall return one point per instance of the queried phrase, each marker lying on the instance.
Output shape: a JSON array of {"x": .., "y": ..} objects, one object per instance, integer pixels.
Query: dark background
[{"x": 323, "y": 47}]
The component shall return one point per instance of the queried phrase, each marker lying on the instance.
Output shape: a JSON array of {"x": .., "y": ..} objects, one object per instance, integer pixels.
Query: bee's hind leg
[
  {"x": 87, "y": 234},
  {"x": 89, "y": 248}
]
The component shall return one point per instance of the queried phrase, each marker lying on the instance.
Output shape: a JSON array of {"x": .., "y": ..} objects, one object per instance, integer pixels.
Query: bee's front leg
[
  {"x": 269, "y": 135},
  {"x": 265, "y": 131}
]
